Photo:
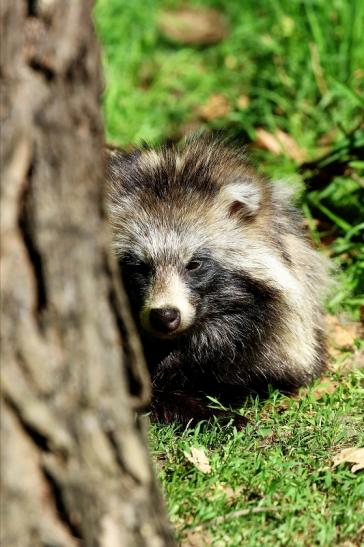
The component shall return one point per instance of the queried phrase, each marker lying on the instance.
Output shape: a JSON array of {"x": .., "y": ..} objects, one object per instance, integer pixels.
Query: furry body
[{"x": 198, "y": 233}]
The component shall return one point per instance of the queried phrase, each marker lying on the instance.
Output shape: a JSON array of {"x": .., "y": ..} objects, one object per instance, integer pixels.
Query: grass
[
  {"x": 298, "y": 64},
  {"x": 282, "y": 461}
]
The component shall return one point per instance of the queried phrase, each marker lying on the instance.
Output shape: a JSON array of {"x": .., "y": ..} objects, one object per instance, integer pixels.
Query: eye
[
  {"x": 135, "y": 265},
  {"x": 193, "y": 265},
  {"x": 141, "y": 268}
]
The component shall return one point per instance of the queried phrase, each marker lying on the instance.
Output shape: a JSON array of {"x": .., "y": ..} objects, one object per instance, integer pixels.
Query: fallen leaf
[
  {"x": 199, "y": 459},
  {"x": 351, "y": 455},
  {"x": 342, "y": 332},
  {"x": 280, "y": 143},
  {"x": 193, "y": 26},
  {"x": 326, "y": 386},
  {"x": 230, "y": 493},
  {"x": 345, "y": 363},
  {"x": 197, "y": 538},
  {"x": 334, "y": 354},
  {"x": 216, "y": 106},
  {"x": 268, "y": 141},
  {"x": 243, "y": 101}
]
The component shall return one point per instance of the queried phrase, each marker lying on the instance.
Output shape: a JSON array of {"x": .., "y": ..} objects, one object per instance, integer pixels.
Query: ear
[
  {"x": 241, "y": 198},
  {"x": 119, "y": 162}
]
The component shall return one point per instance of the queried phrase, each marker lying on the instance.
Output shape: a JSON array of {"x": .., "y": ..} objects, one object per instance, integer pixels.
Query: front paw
[{"x": 189, "y": 409}]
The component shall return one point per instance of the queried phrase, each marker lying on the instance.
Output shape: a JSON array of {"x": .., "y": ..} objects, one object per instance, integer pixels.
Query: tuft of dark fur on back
[{"x": 225, "y": 288}]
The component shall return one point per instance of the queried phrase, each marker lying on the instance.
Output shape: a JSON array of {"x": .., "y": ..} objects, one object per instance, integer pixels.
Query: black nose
[{"x": 165, "y": 320}]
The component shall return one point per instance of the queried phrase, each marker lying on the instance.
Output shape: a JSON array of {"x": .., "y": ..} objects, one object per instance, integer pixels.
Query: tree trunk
[{"x": 75, "y": 468}]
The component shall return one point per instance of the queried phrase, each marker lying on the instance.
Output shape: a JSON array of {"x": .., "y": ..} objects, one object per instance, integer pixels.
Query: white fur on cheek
[{"x": 169, "y": 291}]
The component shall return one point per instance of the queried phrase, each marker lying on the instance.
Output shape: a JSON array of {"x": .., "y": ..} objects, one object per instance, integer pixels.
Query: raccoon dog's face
[{"x": 180, "y": 218}]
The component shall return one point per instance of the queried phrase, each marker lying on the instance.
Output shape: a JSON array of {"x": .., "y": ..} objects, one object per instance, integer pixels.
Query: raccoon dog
[{"x": 224, "y": 287}]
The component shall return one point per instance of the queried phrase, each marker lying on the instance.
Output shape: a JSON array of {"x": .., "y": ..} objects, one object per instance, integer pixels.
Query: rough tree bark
[{"x": 75, "y": 468}]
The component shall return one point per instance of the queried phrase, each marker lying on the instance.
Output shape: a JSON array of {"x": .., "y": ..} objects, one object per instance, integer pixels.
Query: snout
[
  {"x": 165, "y": 320},
  {"x": 168, "y": 310}
]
